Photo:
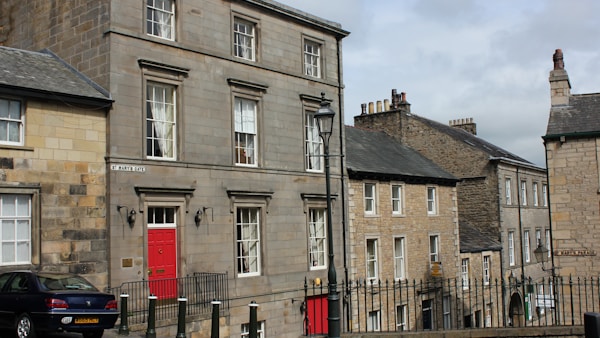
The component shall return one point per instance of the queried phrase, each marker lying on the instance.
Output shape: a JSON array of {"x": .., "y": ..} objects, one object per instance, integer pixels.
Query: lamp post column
[
  {"x": 333, "y": 299},
  {"x": 324, "y": 118}
]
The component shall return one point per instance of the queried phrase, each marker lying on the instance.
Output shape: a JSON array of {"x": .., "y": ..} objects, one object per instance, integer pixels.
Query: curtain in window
[
  {"x": 164, "y": 24},
  {"x": 245, "y": 123},
  {"x": 163, "y": 116}
]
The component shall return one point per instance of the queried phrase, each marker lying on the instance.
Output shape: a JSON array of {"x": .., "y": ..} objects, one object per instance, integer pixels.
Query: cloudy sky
[{"x": 485, "y": 59}]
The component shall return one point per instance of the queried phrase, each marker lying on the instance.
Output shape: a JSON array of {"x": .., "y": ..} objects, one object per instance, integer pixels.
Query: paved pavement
[{"x": 112, "y": 333}]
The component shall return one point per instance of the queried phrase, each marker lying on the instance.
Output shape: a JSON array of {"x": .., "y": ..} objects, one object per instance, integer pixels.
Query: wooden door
[
  {"x": 315, "y": 321},
  {"x": 162, "y": 262}
]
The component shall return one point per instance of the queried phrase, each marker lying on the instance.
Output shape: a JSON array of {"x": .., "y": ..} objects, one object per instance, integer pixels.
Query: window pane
[
  {"x": 248, "y": 242},
  {"x": 15, "y": 229},
  {"x": 8, "y": 252},
  {"x": 160, "y": 121}
]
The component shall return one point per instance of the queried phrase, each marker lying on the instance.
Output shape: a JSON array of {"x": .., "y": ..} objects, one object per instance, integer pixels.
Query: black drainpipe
[{"x": 342, "y": 180}]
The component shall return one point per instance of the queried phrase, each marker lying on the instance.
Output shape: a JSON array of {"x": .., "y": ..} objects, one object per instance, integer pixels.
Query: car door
[{"x": 7, "y": 316}]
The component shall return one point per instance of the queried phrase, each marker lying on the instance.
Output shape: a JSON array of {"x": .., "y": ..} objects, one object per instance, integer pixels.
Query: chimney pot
[
  {"x": 379, "y": 106},
  {"x": 394, "y": 99},
  {"x": 386, "y": 105},
  {"x": 371, "y": 108},
  {"x": 558, "y": 59},
  {"x": 363, "y": 108}
]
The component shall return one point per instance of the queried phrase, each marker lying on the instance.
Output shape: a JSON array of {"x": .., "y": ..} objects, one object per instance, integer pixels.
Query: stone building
[
  {"x": 572, "y": 148},
  {"x": 52, "y": 169},
  {"x": 403, "y": 225},
  {"x": 213, "y": 160},
  {"x": 502, "y": 195},
  {"x": 480, "y": 258}
]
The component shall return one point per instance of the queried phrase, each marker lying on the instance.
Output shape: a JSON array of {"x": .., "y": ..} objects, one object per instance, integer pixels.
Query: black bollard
[
  {"x": 181, "y": 318},
  {"x": 253, "y": 320},
  {"x": 151, "y": 331},
  {"x": 591, "y": 324},
  {"x": 214, "y": 332},
  {"x": 123, "y": 328}
]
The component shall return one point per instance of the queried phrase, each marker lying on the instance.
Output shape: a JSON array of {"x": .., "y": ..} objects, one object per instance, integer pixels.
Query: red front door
[
  {"x": 316, "y": 315},
  {"x": 162, "y": 262}
]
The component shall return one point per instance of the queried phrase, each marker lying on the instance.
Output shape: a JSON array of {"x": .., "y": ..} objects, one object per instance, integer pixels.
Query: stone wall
[
  {"x": 574, "y": 185},
  {"x": 64, "y": 154}
]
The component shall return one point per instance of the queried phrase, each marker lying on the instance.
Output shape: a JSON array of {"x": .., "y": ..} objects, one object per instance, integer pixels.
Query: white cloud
[{"x": 487, "y": 59}]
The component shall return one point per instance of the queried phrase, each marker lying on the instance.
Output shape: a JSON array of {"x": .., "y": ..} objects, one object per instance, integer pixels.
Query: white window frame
[
  {"x": 401, "y": 317},
  {"x": 244, "y": 39},
  {"x": 16, "y": 214},
  {"x": 370, "y": 198},
  {"x": 431, "y": 201},
  {"x": 527, "y": 246},
  {"x": 12, "y": 122},
  {"x": 507, "y": 190},
  {"x": 487, "y": 273},
  {"x": 245, "y": 331},
  {"x": 373, "y": 320},
  {"x": 434, "y": 248},
  {"x": 169, "y": 217},
  {"x": 248, "y": 231},
  {"x": 465, "y": 273},
  {"x": 317, "y": 238},
  {"x": 523, "y": 192},
  {"x": 161, "y": 119},
  {"x": 372, "y": 259},
  {"x": 511, "y": 248},
  {"x": 488, "y": 315},
  {"x": 536, "y": 200},
  {"x": 447, "y": 311},
  {"x": 314, "y": 144},
  {"x": 545, "y": 195},
  {"x": 548, "y": 244},
  {"x": 160, "y": 21},
  {"x": 397, "y": 199},
  {"x": 246, "y": 131},
  {"x": 400, "y": 258},
  {"x": 312, "y": 58}
]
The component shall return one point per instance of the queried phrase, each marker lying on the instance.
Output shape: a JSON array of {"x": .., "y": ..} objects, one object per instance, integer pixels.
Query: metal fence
[
  {"x": 200, "y": 289},
  {"x": 452, "y": 304}
]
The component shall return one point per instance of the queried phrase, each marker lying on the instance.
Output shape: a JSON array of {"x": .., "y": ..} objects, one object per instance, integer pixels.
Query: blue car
[{"x": 39, "y": 302}]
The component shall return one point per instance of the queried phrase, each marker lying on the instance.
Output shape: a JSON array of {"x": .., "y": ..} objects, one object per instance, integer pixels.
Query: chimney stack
[
  {"x": 560, "y": 86},
  {"x": 465, "y": 124}
]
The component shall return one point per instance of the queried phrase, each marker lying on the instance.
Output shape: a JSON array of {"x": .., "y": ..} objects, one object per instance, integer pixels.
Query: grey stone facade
[{"x": 107, "y": 40}]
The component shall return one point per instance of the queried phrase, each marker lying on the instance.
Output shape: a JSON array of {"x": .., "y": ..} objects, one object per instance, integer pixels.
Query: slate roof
[
  {"x": 580, "y": 117},
  {"x": 462, "y": 135},
  {"x": 472, "y": 240},
  {"x": 43, "y": 74},
  {"x": 373, "y": 154}
]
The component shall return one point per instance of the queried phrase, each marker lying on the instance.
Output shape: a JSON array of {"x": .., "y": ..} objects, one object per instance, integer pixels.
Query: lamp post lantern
[
  {"x": 324, "y": 117},
  {"x": 541, "y": 256}
]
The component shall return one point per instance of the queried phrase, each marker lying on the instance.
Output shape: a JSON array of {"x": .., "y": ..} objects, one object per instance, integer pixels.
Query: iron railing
[
  {"x": 200, "y": 289},
  {"x": 452, "y": 304}
]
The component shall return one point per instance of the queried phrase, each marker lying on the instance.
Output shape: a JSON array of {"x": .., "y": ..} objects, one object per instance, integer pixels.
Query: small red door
[
  {"x": 162, "y": 262},
  {"x": 316, "y": 315}
]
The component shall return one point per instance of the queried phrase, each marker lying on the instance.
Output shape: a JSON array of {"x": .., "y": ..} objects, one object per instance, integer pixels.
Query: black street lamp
[
  {"x": 541, "y": 256},
  {"x": 324, "y": 117}
]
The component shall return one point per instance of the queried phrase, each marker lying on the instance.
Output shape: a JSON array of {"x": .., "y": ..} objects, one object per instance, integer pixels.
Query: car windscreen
[{"x": 52, "y": 282}]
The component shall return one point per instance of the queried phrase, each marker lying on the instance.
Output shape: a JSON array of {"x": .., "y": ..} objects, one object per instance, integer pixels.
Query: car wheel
[
  {"x": 24, "y": 327},
  {"x": 93, "y": 334}
]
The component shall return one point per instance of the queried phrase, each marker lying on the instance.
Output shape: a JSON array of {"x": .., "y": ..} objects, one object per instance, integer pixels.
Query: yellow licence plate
[{"x": 87, "y": 320}]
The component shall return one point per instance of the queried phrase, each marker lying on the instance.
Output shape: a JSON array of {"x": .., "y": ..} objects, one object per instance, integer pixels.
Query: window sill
[{"x": 16, "y": 147}]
